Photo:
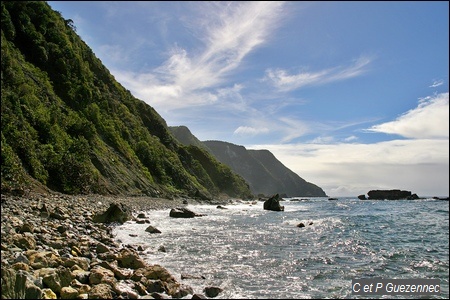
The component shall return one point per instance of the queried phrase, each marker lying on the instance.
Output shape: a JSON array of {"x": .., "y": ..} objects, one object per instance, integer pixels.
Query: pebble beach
[{"x": 51, "y": 248}]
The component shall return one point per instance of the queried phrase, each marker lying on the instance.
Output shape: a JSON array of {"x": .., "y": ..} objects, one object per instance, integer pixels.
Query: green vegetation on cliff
[{"x": 68, "y": 125}]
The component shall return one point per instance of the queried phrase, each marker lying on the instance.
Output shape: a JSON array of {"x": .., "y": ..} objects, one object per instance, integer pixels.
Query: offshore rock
[
  {"x": 273, "y": 203},
  {"x": 391, "y": 195}
]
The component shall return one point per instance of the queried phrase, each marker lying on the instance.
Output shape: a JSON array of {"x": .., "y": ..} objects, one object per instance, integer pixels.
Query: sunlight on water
[{"x": 254, "y": 253}]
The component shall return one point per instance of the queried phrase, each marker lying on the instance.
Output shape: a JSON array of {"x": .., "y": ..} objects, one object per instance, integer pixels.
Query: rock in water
[
  {"x": 273, "y": 203},
  {"x": 182, "y": 212}
]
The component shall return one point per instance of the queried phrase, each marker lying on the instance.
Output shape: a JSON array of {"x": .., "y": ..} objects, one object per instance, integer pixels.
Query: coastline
[{"x": 51, "y": 248}]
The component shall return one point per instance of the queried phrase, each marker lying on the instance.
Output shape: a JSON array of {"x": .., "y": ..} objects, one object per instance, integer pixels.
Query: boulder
[
  {"x": 362, "y": 197},
  {"x": 182, "y": 212},
  {"x": 212, "y": 291},
  {"x": 115, "y": 213},
  {"x": 19, "y": 285},
  {"x": 152, "y": 229},
  {"x": 273, "y": 203}
]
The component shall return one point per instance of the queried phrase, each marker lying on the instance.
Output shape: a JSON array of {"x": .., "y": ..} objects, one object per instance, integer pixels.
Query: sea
[{"x": 254, "y": 253}]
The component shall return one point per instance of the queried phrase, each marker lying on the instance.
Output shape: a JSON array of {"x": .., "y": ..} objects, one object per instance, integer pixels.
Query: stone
[
  {"x": 152, "y": 229},
  {"x": 99, "y": 275},
  {"x": 19, "y": 285},
  {"x": 182, "y": 212},
  {"x": 273, "y": 203},
  {"x": 130, "y": 259},
  {"x": 48, "y": 294},
  {"x": 68, "y": 292},
  {"x": 115, "y": 213},
  {"x": 101, "y": 291},
  {"x": 212, "y": 291}
]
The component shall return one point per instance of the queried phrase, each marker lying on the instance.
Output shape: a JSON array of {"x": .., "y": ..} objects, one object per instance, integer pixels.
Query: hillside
[
  {"x": 68, "y": 126},
  {"x": 260, "y": 168}
]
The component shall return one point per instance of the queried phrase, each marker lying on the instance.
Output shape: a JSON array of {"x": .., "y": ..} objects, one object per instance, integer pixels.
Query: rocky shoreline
[{"x": 51, "y": 248}]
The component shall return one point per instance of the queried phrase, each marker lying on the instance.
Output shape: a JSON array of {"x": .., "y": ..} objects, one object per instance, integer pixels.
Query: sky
[{"x": 351, "y": 96}]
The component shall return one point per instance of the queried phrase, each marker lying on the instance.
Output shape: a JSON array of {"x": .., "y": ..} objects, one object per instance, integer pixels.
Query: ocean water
[{"x": 250, "y": 252}]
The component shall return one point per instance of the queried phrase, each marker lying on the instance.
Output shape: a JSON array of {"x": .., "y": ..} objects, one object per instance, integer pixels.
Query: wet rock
[
  {"x": 212, "y": 291},
  {"x": 273, "y": 203},
  {"x": 182, "y": 212},
  {"x": 152, "y": 229}
]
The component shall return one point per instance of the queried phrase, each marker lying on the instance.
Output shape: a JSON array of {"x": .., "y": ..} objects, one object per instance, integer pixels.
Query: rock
[
  {"x": 154, "y": 272},
  {"x": 48, "y": 294},
  {"x": 102, "y": 248},
  {"x": 182, "y": 212},
  {"x": 221, "y": 207},
  {"x": 189, "y": 276},
  {"x": 199, "y": 296},
  {"x": 19, "y": 285},
  {"x": 26, "y": 227},
  {"x": 100, "y": 275},
  {"x": 212, "y": 291},
  {"x": 24, "y": 241},
  {"x": 301, "y": 225},
  {"x": 115, "y": 213},
  {"x": 152, "y": 229},
  {"x": 68, "y": 292},
  {"x": 388, "y": 194},
  {"x": 101, "y": 291},
  {"x": 153, "y": 286},
  {"x": 273, "y": 203},
  {"x": 130, "y": 259},
  {"x": 362, "y": 197}
]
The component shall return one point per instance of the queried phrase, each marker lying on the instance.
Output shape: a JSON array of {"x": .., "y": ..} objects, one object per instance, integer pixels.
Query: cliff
[{"x": 67, "y": 125}]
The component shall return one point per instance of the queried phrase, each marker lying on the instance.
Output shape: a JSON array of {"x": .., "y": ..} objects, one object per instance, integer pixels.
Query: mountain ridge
[{"x": 265, "y": 174}]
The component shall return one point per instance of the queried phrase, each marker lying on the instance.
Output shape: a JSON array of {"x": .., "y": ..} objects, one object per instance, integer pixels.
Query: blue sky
[{"x": 352, "y": 96}]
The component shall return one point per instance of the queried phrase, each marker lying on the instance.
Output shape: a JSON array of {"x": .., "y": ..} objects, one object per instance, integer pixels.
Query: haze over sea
[{"x": 254, "y": 253}]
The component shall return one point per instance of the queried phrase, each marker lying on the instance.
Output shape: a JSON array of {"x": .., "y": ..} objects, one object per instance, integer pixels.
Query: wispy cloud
[
  {"x": 250, "y": 131},
  {"x": 430, "y": 119},
  {"x": 437, "y": 83},
  {"x": 229, "y": 31},
  {"x": 283, "y": 81}
]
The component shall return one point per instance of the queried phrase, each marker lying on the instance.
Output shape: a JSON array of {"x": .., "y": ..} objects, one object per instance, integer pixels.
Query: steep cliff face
[
  {"x": 264, "y": 173},
  {"x": 69, "y": 126}
]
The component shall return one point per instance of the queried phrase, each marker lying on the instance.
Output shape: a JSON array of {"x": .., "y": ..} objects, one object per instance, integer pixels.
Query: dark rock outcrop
[
  {"x": 362, "y": 197},
  {"x": 390, "y": 195},
  {"x": 273, "y": 203}
]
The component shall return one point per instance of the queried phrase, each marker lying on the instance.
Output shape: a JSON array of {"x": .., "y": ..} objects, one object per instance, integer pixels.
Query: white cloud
[
  {"x": 437, "y": 83},
  {"x": 283, "y": 81},
  {"x": 421, "y": 166},
  {"x": 250, "y": 131},
  {"x": 429, "y": 120},
  {"x": 229, "y": 31}
]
